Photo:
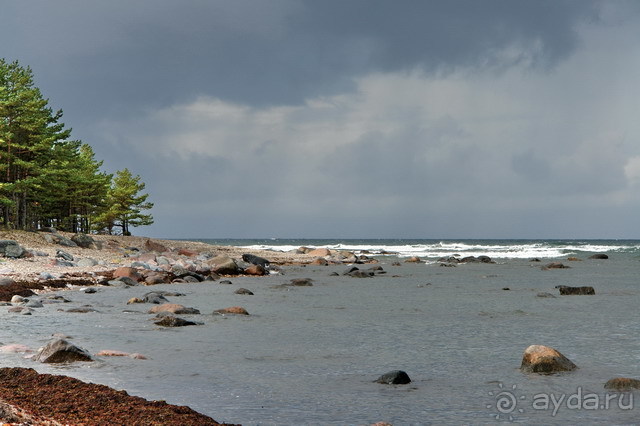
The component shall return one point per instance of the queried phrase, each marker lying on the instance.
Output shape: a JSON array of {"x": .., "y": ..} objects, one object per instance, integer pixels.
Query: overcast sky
[{"x": 352, "y": 118}]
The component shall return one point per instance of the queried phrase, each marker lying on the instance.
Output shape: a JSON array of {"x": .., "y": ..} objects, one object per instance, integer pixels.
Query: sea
[{"x": 311, "y": 355}]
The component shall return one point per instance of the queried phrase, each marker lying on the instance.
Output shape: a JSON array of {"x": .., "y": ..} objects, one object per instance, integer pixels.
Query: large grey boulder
[
  {"x": 61, "y": 351},
  {"x": 84, "y": 241},
  {"x": 10, "y": 248}
]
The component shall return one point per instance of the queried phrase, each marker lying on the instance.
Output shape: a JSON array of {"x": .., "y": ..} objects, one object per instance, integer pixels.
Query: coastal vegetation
[{"x": 47, "y": 179}]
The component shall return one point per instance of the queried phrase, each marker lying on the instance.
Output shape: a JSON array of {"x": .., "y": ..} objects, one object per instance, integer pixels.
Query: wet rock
[
  {"x": 171, "y": 321},
  {"x": 61, "y": 351},
  {"x": 134, "y": 300},
  {"x": 109, "y": 352},
  {"x": 569, "y": 291},
  {"x": 20, "y": 310},
  {"x": 124, "y": 281},
  {"x": 622, "y": 384},
  {"x": 361, "y": 274},
  {"x": 300, "y": 282},
  {"x": 545, "y": 360},
  {"x": 173, "y": 308},
  {"x": 395, "y": 377},
  {"x": 574, "y": 259},
  {"x": 234, "y": 310},
  {"x": 34, "y": 304},
  {"x": 319, "y": 261},
  {"x": 599, "y": 256},
  {"x": 413, "y": 259},
  {"x": 81, "y": 310},
  {"x": 555, "y": 265},
  {"x": 256, "y": 270},
  {"x": 155, "y": 298},
  {"x": 226, "y": 282},
  {"x": 255, "y": 260},
  {"x": 244, "y": 291}
]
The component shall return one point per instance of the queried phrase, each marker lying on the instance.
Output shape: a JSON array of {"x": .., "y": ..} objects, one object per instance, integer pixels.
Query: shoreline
[
  {"x": 25, "y": 395},
  {"x": 46, "y": 265}
]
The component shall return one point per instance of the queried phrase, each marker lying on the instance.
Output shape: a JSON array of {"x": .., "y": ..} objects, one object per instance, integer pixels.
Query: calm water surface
[{"x": 309, "y": 355}]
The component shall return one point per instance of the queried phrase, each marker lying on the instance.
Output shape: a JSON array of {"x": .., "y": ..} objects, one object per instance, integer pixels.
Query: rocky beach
[{"x": 36, "y": 263}]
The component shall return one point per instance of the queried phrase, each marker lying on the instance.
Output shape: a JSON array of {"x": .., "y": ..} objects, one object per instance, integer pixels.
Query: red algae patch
[{"x": 32, "y": 398}]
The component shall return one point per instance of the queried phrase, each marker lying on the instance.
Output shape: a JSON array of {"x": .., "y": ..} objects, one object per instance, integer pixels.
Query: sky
[{"x": 352, "y": 119}]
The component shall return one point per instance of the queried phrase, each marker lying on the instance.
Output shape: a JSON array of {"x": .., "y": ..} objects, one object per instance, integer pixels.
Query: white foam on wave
[{"x": 519, "y": 250}]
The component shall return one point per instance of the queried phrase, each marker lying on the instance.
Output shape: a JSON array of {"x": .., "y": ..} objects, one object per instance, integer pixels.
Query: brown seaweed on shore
[{"x": 32, "y": 398}]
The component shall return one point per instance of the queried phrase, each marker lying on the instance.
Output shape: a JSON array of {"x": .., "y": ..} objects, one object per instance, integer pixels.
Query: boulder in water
[
  {"x": 622, "y": 384},
  {"x": 395, "y": 377},
  {"x": 545, "y": 360},
  {"x": 61, "y": 351}
]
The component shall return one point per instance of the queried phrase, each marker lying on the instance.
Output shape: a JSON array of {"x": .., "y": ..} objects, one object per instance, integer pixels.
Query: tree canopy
[{"x": 46, "y": 178}]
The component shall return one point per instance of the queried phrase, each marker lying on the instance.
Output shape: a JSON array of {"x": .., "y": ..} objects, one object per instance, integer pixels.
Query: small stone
[
  {"x": 173, "y": 308},
  {"x": 395, "y": 377},
  {"x": 171, "y": 321},
  {"x": 234, "y": 310},
  {"x": 244, "y": 291},
  {"x": 622, "y": 384},
  {"x": 572, "y": 291}
]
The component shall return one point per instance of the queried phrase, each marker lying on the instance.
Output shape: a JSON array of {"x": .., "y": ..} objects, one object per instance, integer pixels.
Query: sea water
[{"x": 310, "y": 355}]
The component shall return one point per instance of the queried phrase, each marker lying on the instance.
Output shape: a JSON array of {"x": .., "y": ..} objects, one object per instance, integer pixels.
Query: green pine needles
[{"x": 49, "y": 180}]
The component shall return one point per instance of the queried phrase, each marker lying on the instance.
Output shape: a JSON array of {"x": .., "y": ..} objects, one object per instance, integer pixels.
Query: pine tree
[
  {"x": 125, "y": 204},
  {"x": 29, "y": 129}
]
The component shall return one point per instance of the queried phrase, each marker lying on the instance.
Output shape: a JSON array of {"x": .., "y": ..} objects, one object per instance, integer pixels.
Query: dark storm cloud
[{"x": 130, "y": 54}]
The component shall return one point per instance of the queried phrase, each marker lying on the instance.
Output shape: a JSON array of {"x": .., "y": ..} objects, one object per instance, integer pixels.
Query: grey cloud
[{"x": 126, "y": 54}]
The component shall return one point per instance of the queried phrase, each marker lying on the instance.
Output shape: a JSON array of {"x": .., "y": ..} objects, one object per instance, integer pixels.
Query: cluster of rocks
[
  {"x": 325, "y": 256},
  {"x": 12, "y": 249},
  {"x": 453, "y": 260},
  {"x": 356, "y": 272}
]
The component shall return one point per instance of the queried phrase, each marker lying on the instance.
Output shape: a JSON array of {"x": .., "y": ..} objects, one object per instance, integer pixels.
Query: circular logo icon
[{"x": 505, "y": 402}]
